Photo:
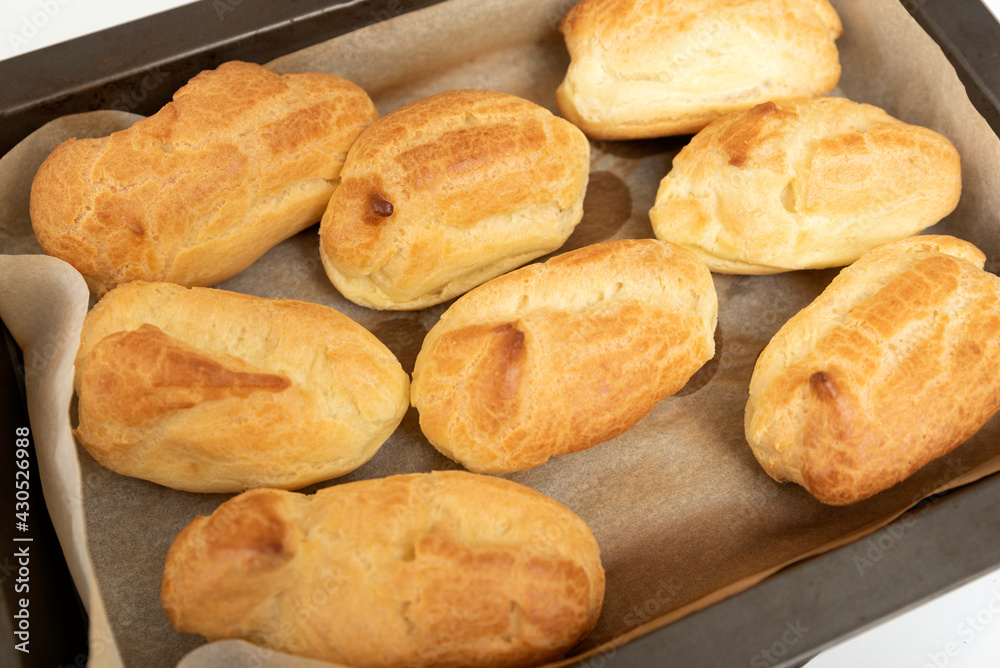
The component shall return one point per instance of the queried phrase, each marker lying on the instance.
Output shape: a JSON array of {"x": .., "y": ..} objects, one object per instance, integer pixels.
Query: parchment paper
[{"x": 683, "y": 513}]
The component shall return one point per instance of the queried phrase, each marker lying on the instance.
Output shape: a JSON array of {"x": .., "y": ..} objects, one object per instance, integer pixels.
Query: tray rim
[{"x": 92, "y": 72}]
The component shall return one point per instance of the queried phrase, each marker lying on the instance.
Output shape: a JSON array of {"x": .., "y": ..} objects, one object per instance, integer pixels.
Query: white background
[
  {"x": 958, "y": 630},
  {"x": 26, "y": 25}
]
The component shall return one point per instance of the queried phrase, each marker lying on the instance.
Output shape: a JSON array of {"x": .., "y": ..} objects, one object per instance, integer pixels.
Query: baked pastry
[
  {"x": 653, "y": 68},
  {"x": 212, "y": 391},
  {"x": 447, "y": 192},
  {"x": 240, "y": 160},
  {"x": 427, "y": 569},
  {"x": 893, "y": 365},
  {"x": 557, "y": 357},
  {"x": 804, "y": 185}
]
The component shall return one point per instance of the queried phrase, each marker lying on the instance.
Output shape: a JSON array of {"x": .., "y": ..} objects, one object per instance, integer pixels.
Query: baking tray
[{"x": 783, "y": 621}]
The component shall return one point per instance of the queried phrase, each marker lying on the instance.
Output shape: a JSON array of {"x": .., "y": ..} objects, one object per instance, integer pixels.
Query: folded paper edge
[{"x": 49, "y": 339}]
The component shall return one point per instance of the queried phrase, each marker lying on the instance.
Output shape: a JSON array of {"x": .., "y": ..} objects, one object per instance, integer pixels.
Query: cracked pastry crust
[
  {"x": 426, "y": 569},
  {"x": 892, "y": 366},
  {"x": 205, "y": 390},
  {"x": 557, "y": 357},
  {"x": 804, "y": 185},
  {"x": 654, "y": 68},
  {"x": 241, "y": 159},
  {"x": 448, "y": 192}
]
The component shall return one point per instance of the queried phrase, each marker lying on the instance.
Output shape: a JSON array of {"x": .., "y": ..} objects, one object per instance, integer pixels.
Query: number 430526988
[{"x": 22, "y": 479}]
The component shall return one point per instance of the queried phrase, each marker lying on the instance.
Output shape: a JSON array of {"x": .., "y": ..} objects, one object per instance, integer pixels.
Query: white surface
[
  {"x": 958, "y": 630},
  {"x": 994, "y": 6},
  {"x": 26, "y": 25}
]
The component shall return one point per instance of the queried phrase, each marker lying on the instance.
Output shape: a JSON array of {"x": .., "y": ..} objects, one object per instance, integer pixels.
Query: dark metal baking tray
[
  {"x": 138, "y": 66},
  {"x": 781, "y": 622}
]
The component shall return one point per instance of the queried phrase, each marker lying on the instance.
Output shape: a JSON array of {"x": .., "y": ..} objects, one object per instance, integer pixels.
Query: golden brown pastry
[
  {"x": 557, "y": 357},
  {"x": 212, "y": 391},
  {"x": 804, "y": 185},
  {"x": 240, "y": 160},
  {"x": 448, "y": 192},
  {"x": 427, "y": 569},
  {"x": 653, "y": 68},
  {"x": 893, "y": 365}
]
